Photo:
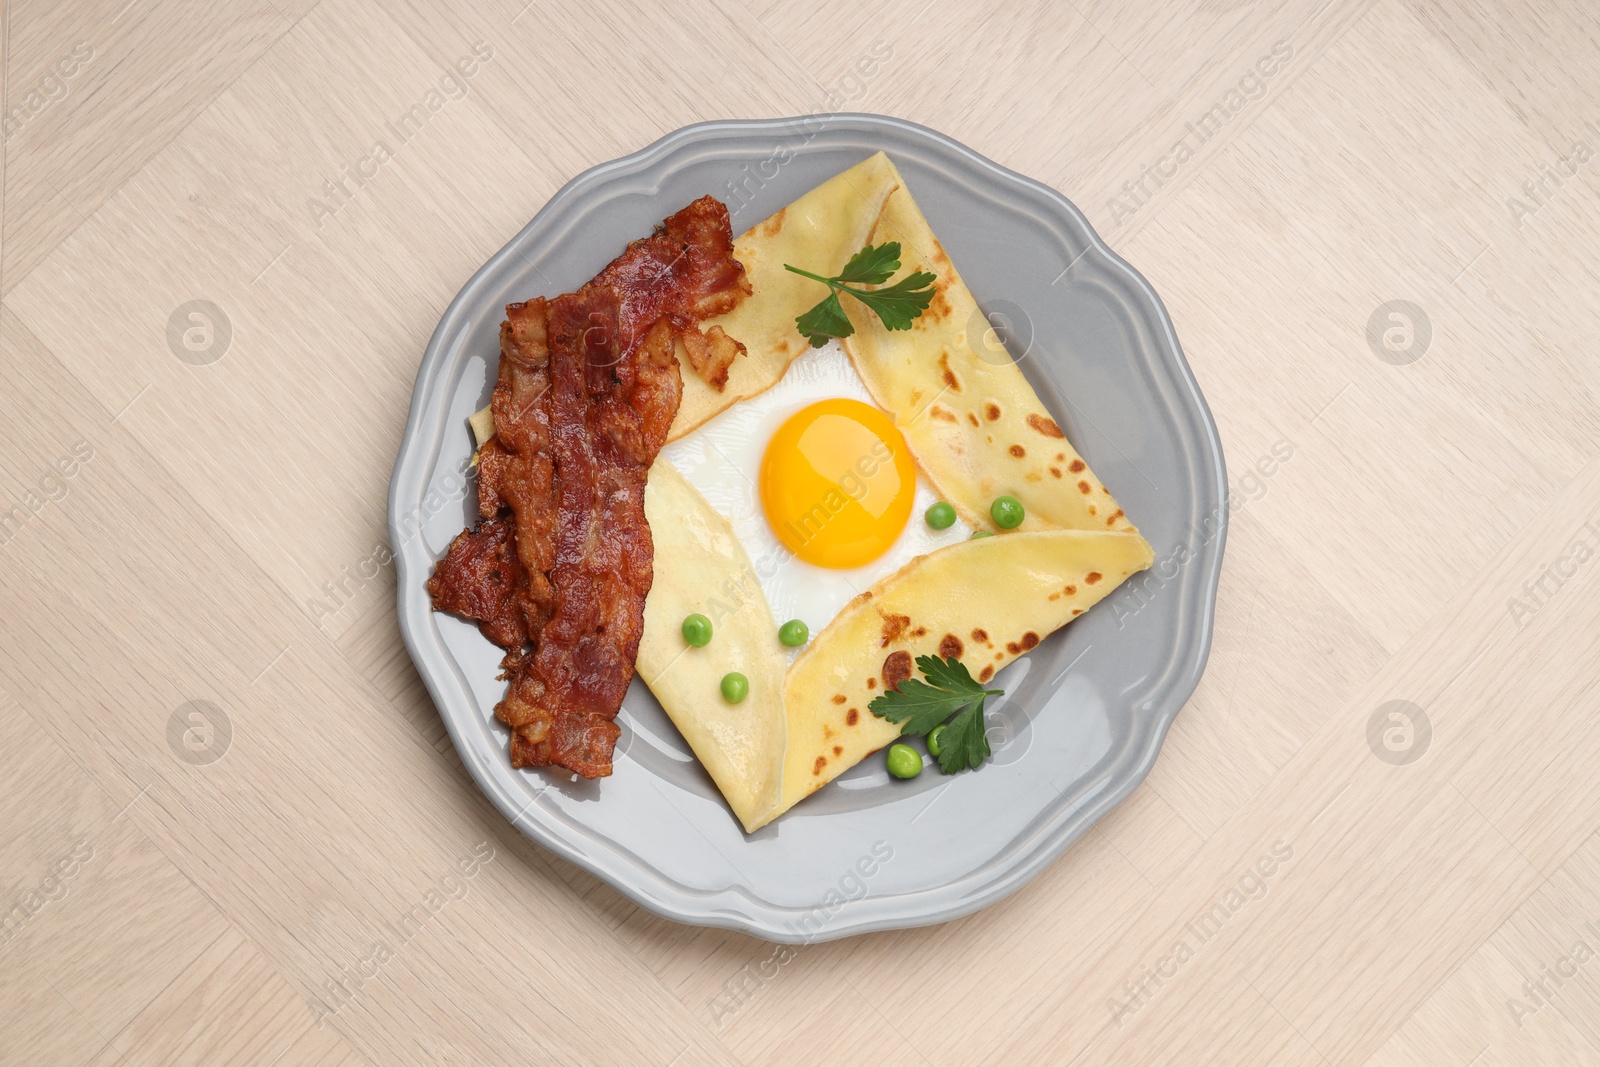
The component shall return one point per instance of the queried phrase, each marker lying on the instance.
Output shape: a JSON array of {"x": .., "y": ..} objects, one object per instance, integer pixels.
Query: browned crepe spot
[
  {"x": 1045, "y": 425},
  {"x": 948, "y": 375},
  {"x": 896, "y": 669},
  {"x": 1030, "y": 640}
]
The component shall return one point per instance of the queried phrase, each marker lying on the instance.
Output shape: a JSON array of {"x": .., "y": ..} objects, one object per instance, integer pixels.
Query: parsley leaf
[
  {"x": 896, "y": 305},
  {"x": 963, "y": 744},
  {"x": 825, "y": 320},
  {"x": 873, "y": 265},
  {"x": 949, "y": 690},
  {"x": 918, "y": 706},
  {"x": 950, "y": 674}
]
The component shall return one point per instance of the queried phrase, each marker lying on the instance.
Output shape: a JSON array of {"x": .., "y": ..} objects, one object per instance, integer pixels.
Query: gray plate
[{"x": 1085, "y": 712}]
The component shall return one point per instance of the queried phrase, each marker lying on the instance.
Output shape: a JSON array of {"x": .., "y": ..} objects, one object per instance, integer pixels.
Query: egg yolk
[{"x": 837, "y": 483}]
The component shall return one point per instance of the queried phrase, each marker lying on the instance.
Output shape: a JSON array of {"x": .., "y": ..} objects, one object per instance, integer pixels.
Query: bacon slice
[
  {"x": 609, "y": 419},
  {"x": 475, "y": 579},
  {"x": 589, "y": 385},
  {"x": 516, "y": 466}
]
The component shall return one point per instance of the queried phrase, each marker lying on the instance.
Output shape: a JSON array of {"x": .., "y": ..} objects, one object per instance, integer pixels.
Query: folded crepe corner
[
  {"x": 943, "y": 604},
  {"x": 740, "y": 745},
  {"x": 822, "y": 229}
]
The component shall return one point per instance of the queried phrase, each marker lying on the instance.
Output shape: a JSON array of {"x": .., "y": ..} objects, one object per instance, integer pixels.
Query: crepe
[{"x": 975, "y": 427}]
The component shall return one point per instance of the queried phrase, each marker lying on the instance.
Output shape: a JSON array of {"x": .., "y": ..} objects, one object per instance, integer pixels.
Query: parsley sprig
[
  {"x": 897, "y": 305},
  {"x": 949, "y": 691}
]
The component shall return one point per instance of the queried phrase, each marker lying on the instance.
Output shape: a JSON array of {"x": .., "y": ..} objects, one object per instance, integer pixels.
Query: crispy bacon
[
  {"x": 589, "y": 385},
  {"x": 711, "y": 354},
  {"x": 480, "y": 578},
  {"x": 514, "y": 469},
  {"x": 515, "y": 466},
  {"x": 609, "y": 418},
  {"x": 684, "y": 271}
]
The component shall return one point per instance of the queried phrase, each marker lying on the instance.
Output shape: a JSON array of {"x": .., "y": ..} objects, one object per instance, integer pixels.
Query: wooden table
[{"x": 1376, "y": 228}]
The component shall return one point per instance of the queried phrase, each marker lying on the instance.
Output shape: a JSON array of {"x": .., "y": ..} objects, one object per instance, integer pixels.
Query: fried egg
[{"x": 819, "y": 486}]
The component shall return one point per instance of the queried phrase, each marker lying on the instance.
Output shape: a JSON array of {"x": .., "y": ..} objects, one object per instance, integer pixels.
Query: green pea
[
  {"x": 981, "y": 533},
  {"x": 794, "y": 633},
  {"x": 941, "y": 516},
  {"x": 935, "y": 745},
  {"x": 904, "y": 761},
  {"x": 1007, "y": 513},
  {"x": 697, "y": 630},
  {"x": 735, "y": 687}
]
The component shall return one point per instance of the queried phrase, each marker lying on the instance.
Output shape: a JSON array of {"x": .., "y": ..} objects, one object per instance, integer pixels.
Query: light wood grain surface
[{"x": 206, "y": 524}]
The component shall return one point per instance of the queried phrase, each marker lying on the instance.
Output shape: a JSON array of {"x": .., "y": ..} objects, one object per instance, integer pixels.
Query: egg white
[{"x": 722, "y": 459}]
